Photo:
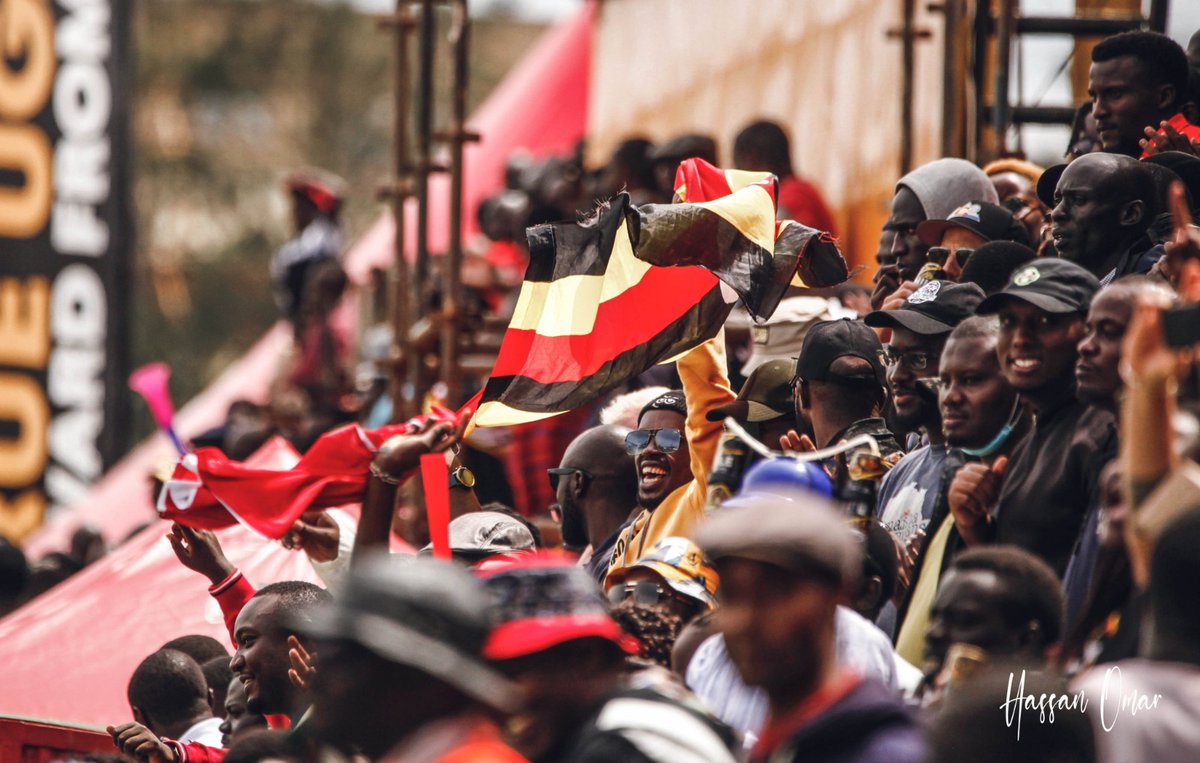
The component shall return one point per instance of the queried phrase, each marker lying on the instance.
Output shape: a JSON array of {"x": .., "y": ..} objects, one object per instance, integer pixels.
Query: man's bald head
[
  {"x": 599, "y": 450},
  {"x": 1101, "y": 203},
  {"x": 600, "y": 488}
]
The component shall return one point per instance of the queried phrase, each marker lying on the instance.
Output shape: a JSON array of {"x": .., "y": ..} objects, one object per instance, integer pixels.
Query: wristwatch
[{"x": 462, "y": 477}]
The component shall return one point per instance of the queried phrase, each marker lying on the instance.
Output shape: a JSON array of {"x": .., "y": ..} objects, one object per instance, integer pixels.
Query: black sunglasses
[
  {"x": 565, "y": 471},
  {"x": 666, "y": 440}
]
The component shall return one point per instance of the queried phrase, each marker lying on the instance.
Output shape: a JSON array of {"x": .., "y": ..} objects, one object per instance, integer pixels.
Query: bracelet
[{"x": 383, "y": 476}]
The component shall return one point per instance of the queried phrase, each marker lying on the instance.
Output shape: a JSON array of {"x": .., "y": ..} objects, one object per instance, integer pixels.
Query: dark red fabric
[
  {"x": 332, "y": 473},
  {"x": 801, "y": 201},
  {"x": 535, "y": 448}
]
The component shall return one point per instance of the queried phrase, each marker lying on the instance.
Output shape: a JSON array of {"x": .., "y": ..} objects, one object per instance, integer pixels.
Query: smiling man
[
  {"x": 673, "y": 449},
  {"x": 262, "y": 632},
  {"x": 919, "y": 331},
  {"x": 1101, "y": 207},
  {"x": 1038, "y": 500}
]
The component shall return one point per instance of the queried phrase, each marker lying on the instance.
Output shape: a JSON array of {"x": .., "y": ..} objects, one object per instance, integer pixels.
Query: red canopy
[
  {"x": 541, "y": 106},
  {"x": 69, "y": 653}
]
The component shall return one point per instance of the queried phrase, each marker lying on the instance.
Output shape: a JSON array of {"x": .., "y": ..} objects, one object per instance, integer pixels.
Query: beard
[{"x": 574, "y": 533}]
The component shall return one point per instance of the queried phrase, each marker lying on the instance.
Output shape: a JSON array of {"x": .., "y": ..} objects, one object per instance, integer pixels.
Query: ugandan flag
[{"x": 605, "y": 299}]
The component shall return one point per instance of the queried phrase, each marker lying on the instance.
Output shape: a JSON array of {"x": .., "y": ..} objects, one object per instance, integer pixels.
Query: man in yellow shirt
[{"x": 673, "y": 448}]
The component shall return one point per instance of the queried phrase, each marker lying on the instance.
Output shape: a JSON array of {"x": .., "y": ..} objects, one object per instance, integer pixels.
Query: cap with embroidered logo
[
  {"x": 935, "y": 308},
  {"x": 1052, "y": 284},
  {"x": 990, "y": 222}
]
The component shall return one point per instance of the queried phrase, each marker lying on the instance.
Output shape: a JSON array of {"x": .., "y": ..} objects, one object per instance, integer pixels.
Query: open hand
[
  {"x": 200, "y": 550},
  {"x": 1167, "y": 138},
  {"x": 793, "y": 442},
  {"x": 303, "y": 663}
]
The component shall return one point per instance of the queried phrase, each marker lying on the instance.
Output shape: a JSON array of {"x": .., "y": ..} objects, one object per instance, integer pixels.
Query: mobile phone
[{"x": 1181, "y": 326}]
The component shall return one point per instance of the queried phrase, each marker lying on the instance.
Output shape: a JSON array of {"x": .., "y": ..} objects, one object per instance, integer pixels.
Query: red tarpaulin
[{"x": 68, "y": 654}]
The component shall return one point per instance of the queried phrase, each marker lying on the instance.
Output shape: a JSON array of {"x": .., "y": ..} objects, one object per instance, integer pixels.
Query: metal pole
[
  {"x": 1000, "y": 111},
  {"x": 952, "y": 85},
  {"x": 908, "y": 55},
  {"x": 451, "y": 304},
  {"x": 398, "y": 192},
  {"x": 419, "y": 291}
]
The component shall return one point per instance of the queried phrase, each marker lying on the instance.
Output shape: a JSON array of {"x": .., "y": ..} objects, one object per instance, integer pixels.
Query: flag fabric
[
  {"x": 606, "y": 299},
  {"x": 208, "y": 491},
  {"x": 819, "y": 261}
]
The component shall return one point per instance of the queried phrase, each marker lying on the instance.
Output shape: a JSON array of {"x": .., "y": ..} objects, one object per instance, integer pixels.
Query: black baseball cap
[
  {"x": 1186, "y": 166},
  {"x": 934, "y": 308},
  {"x": 766, "y": 395},
  {"x": 827, "y": 341},
  {"x": 988, "y": 221},
  {"x": 1048, "y": 182},
  {"x": 1050, "y": 283}
]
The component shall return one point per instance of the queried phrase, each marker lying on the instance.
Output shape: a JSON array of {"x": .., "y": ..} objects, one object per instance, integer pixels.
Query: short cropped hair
[
  {"x": 168, "y": 686},
  {"x": 977, "y": 327},
  {"x": 765, "y": 140},
  {"x": 297, "y": 598},
  {"x": 217, "y": 673},
  {"x": 1031, "y": 592},
  {"x": 1163, "y": 58},
  {"x": 199, "y": 647}
]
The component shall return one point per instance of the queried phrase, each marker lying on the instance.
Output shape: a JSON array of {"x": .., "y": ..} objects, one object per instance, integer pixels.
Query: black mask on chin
[{"x": 574, "y": 533}]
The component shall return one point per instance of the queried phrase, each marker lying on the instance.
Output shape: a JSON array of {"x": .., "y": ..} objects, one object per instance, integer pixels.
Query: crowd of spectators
[{"x": 980, "y": 501}]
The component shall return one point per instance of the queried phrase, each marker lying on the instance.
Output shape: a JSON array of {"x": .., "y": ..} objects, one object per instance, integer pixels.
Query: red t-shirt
[{"x": 800, "y": 200}]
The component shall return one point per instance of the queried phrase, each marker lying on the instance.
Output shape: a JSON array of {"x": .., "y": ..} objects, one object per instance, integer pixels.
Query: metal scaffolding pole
[
  {"x": 456, "y": 136},
  {"x": 398, "y": 192}
]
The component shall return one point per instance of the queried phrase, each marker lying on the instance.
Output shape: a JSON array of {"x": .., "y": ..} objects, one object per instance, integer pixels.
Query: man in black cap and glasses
[
  {"x": 919, "y": 329},
  {"x": 401, "y": 675},
  {"x": 1039, "y": 499}
]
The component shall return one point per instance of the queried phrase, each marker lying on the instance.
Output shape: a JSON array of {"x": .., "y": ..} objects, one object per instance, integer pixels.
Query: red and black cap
[{"x": 543, "y": 600}]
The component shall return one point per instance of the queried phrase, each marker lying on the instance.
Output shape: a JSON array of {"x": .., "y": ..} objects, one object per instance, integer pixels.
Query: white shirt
[{"x": 207, "y": 732}]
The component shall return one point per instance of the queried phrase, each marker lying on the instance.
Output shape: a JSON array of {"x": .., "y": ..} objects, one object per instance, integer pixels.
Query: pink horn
[{"x": 150, "y": 381}]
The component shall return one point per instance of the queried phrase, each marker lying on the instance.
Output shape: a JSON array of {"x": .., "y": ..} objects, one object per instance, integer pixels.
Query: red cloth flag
[{"x": 209, "y": 491}]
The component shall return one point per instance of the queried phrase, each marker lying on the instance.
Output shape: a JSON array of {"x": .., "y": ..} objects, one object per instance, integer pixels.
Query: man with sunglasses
[
  {"x": 930, "y": 192},
  {"x": 919, "y": 329},
  {"x": 595, "y": 486},
  {"x": 674, "y": 575},
  {"x": 673, "y": 449},
  {"x": 952, "y": 240},
  {"x": 1039, "y": 499}
]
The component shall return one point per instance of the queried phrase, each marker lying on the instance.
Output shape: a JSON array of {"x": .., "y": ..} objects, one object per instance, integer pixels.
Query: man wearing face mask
[
  {"x": 1040, "y": 499},
  {"x": 596, "y": 488},
  {"x": 982, "y": 420}
]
